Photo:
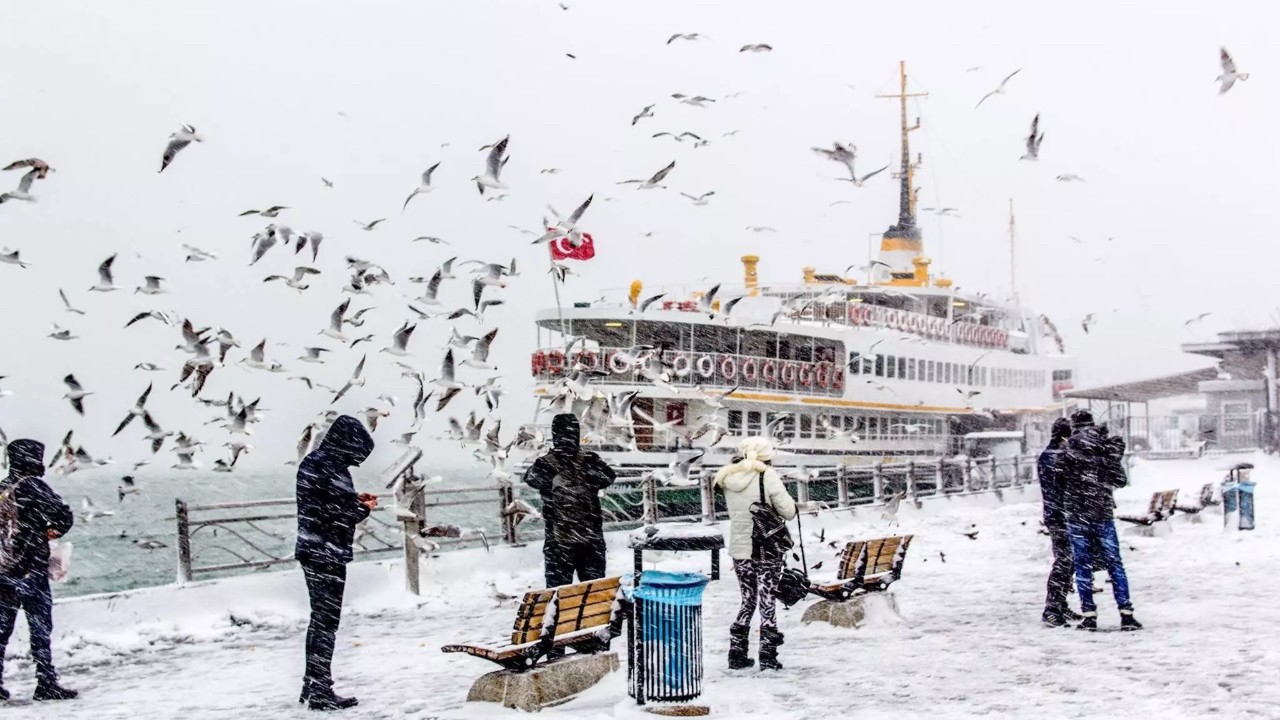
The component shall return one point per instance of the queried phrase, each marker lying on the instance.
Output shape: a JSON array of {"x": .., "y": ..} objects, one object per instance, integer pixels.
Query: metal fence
[
  {"x": 262, "y": 537},
  {"x": 1191, "y": 434}
]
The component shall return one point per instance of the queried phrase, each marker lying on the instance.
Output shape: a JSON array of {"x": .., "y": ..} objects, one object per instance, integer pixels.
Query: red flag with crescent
[{"x": 562, "y": 248}]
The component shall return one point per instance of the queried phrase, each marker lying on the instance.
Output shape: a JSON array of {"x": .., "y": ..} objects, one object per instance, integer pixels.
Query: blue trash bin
[
  {"x": 665, "y": 648},
  {"x": 1237, "y": 496}
]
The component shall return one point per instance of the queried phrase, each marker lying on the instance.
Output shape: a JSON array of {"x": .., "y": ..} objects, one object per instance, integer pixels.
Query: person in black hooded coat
[
  {"x": 329, "y": 508},
  {"x": 41, "y": 516},
  {"x": 570, "y": 482},
  {"x": 1051, "y": 471}
]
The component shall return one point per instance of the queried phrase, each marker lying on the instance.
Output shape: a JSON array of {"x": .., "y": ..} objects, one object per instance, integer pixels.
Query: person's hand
[
  {"x": 52, "y": 534},
  {"x": 368, "y": 500}
]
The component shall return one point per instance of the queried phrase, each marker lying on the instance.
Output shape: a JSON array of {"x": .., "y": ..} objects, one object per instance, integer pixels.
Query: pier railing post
[
  {"x": 802, "y": 489},
  {"x": 708, "y": 498},
  {"x": 842, "y": 486},
  {"x": 877, "y": 481},
  {"x": 506, "y": 496},
  {"x": 939, "y": 478},
  {"x": 649, "y": 499},
  {"x": 1017, "y": 471},
  {"x": 184, "y": 541},
  {"x": 967, "y": 471},
  {"x": 910, "y": 488}
]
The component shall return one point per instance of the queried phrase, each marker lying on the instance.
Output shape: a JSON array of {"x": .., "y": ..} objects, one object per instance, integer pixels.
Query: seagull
[
  {"x": 126, "y": 487},
  {"x": 653, "y": 181},
  {"x": 270, "y": 212},
  {"x": 138, "y": 409},
  {"x": 1228, "y": 77},
  {"x": 686, "y": 36},
  {"x": 646, "y": 112},
  {"x": 480, "y": 353},
  {"x": 1070, "y": 177},
  {"x": 357, "y": 380},
  {"x": 969, "y": 394},
  {"x": 148, "y": 367},
  {"x": 262, "y": 242},
  {"x": 327, "y": 182},
  {"x": 38, "y": 166},
  {"x": 258, "y": 359},
  {"x": 1034, "y": 140},
  {"x": 493, "y": 167},
  {"x": 367, "y": 226},
  {"x": 1196, "y": 319},
  {"x": 195, "y": 254},
  {"x": 92, "y": 511},
  {"x": 336, "y": 322},
  {"x": 67, "y": 303},
  {"x": 697, "y": 139},
  {"x": 76, "y": 394},
  {"x": 11, "y": 257},
  {"x": 705, "y": 302},
  {"x": 400, "y": 341},
  {"x": 756, "y": 48},
  {"x": 150, "y": 286},
  {"x": 431, "y": 239},
  {"x": 23, "y": 191},
  {"x": 61, "y": 334},
  {"x": 570, "y": 226},
  {"x": 1087, "y": 322},
  {"x": 156, "y": 434},
  {"x": 999, "y": 90},
  {"x": 429, "y": 294},
  {"x": 696, "y": 100},
  {"x": 448, "y": 377},
  {"x": 177, "y": 141},
  {"x": 425, "y": 187},
  {"x": 295, "y": 282},
  {"x": 315, "y": 238},
  {"x": 313, "y": 355},
  {"x": 760, "y": 228},
  {"x": 105, "y": 281},
  {"x": 371, "y": 415},
  {"x": 701, "y": 199}
]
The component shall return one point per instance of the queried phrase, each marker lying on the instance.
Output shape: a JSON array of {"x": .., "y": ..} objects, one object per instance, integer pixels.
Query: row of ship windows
[
  {"x": 811, "y": 425},
  {"x": 904, "y": 368}
]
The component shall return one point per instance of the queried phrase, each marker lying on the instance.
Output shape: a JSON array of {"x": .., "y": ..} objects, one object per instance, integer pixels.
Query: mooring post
[{"x": 184, "y": 541}]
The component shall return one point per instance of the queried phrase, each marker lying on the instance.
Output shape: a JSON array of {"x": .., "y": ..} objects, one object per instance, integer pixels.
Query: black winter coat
[
  {"x": 1094, "y": 470},
  {"x": 1051, "y": 470},
  {"x": 40, "y": 509},
  {"x": 570, "y": 482},
  {"x": 328, "y": 507}
]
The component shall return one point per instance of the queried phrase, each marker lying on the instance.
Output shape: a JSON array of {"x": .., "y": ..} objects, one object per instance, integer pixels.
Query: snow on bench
[
  {"x": 1206, "y": 500},
  {"x": 1162, "y": 506},
  {"x": 585, "y": 617},
  {"x": 865, "y": 566}
]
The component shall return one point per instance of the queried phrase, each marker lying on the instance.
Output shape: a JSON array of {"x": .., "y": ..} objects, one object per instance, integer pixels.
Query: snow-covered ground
[{"x": 968, "y": 642}]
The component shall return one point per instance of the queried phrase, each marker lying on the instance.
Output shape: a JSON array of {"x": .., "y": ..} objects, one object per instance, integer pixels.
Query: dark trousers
[
  {"x": 758, "y": 586},
  {"x": 33, "y": 596},
  {"x": 1086, "y": 539},
  {"x": 325, "y": 584},
  {"x": 587, "y": 559},
  {"x": 1055, "y": 599}
]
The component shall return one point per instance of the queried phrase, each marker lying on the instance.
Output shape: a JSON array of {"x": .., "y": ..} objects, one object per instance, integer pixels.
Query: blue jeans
[
  {"x": 33, "y": 596},
  {"x": 1085, "y": 538}
]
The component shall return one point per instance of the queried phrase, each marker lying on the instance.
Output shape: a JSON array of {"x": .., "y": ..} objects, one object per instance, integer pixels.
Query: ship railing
[
  {"x": 721, "y": 370},
  {"x": 259, "y": 534}
]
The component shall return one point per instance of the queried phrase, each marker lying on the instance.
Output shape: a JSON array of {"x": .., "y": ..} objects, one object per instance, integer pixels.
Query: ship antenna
[{"x": 904, "y": 237}]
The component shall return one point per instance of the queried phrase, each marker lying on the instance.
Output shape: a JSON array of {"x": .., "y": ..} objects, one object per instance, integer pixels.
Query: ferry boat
[{"x": 902, "y": 365}]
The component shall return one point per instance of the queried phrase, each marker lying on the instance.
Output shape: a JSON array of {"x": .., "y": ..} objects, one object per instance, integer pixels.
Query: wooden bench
[
  {"x": 584, "y": 617},
  {"x": 1162, "y": 507},
  {"x": 865, "y": 566},
  {"x": 1206, "y": 500}
]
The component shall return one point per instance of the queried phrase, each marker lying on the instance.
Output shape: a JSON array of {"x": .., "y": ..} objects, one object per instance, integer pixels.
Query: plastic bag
[{"x": 59, "y": 560}]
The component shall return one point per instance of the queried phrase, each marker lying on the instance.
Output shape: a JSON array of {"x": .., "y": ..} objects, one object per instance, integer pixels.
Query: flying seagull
[
  {"x": 653, "y": 181},
  {"x": 177, "y": 141},
  {"x": 366, "y": 226},
  {"x": 493, "y": 167},
  {"x": 756, "y": 48},
  {"x": 686, "y": 36},
  {"x": 75, "y": 393},
  {"x": 40, "y": 167},
  {"x": 1070, "y": 177},
  {"x": 67, "y": 303},
  {"x": 696, "y": 101},
  {"x": 646, "y": 112},
  {"x": 1034, "y": 140},
  {"x": 425, "y": 187},
  {"x": 270, "y": 212},
  {"x": 701, "y": 199},
  {"x": 11, "y": 257},
  {"x": 138, "y": 409},
  {"x": 1228, "y": 77},
  {"x": 105, "y": 281},
  {"x": 23, "y": 191},
  {"x": 295, "y": 282},
  {"x": 357, "y": 379},
  {"x": 999, "y": 90}
]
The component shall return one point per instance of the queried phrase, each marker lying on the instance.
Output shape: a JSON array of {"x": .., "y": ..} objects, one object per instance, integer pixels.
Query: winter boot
[
  {"x": 740, "y": 647},
  {"x": 328, "y": 701},
  {"x": 306, "y": 691},
  {"x": 53, "y": 691},
  {"x": 1128, "y": 621},
  {"x": 770, "y": 639},
  {"x": 1053, "y": 618},
  {"x": 1071, "y": 615},
  {"x": 4, "y": 694},
  {"x": 1089, "y": 622}
]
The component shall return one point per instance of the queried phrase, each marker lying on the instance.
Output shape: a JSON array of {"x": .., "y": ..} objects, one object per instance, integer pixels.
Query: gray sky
[{"x": 1175, "y": 173}]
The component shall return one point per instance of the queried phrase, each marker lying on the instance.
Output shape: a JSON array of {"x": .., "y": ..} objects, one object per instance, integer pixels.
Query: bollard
[{"x": 184, "y": 541}]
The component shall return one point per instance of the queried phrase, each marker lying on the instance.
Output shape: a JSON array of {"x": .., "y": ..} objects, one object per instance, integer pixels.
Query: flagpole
[{"x": 555, "y": 283}]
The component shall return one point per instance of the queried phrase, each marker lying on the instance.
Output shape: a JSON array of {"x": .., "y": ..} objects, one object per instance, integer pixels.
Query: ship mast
[{"x": 902, "y": 242}]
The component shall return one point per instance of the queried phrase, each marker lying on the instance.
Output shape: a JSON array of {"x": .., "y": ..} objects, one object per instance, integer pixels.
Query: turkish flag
[{"x": 562, "y": 248}]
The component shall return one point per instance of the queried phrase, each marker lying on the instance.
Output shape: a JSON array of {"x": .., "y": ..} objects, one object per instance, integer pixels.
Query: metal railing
[{"x": 635, "y": 498}]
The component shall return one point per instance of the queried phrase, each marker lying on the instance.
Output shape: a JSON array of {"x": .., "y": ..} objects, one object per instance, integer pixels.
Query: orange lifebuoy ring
[
  {"x": 749, "y": 370},
  {"x": 588, "y": 359},
  {"x": 837, "y": 378},
  {"x": 769, "y": 373},
  {"x": 822, "y": 375},
  {"x": 555, "y": 361},
  {"x": 788, "y": 374},
  {"x": 539, "y": 362},
  {"x": 805, "y": 375},
  {"x": 706, "y": 366},
  {"x": 618, "y": 364},
  {"x": 729, "y": 367}
]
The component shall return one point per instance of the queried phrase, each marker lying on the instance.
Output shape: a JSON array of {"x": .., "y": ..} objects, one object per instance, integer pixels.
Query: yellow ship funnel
[{"x": 750, "y": 279}]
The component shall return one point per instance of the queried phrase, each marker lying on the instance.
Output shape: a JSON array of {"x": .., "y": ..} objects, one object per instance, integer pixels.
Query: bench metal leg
[{"x": 715, "y": 564}]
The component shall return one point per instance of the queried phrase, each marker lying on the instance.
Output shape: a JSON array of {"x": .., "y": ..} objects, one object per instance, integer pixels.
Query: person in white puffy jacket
[{"x": 740, "y": 481}]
